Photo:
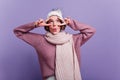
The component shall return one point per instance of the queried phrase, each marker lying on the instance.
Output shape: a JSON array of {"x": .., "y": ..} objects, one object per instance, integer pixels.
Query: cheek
[
  {"x": 58, "y": 28},
  {"x": 50, "y": 26}
]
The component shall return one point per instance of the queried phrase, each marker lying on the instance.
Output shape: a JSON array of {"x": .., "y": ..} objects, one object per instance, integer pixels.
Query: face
[{"x": 55, "y": 22}]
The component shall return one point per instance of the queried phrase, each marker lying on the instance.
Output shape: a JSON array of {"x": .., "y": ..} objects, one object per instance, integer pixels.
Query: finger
[
  {"x": 47, "y": 20},
  {"x": 47, "y": 24},
  {"x": 63, "y": 24},
  {"x": 67, "y": 20},
  {"x": 36, "y": 23},
  {"x": 40, "y": 19}
]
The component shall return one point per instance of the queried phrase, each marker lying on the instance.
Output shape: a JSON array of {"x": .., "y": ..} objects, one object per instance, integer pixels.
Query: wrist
[{"x": 35, "y": 24}]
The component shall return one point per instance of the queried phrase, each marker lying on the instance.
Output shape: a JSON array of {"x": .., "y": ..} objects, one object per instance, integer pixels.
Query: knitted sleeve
[
  {"x": 23, "y": 32},
  {"x": 86, "y": 31}
]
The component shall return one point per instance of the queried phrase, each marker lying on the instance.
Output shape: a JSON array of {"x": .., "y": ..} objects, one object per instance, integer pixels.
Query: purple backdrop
[{"x": 100, "y": 58}]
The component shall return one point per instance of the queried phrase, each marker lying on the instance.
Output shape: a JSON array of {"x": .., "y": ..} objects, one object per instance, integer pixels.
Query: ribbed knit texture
[{"x": 67, "y": 66}]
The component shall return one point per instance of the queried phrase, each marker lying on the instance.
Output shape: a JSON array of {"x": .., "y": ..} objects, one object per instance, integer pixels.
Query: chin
[{"x": 54, "y": 33}]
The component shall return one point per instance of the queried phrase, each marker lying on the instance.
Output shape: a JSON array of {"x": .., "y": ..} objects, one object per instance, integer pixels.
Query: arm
[
  {"x": 86, "y": 31},
  {"x": 23, "y": 32}
]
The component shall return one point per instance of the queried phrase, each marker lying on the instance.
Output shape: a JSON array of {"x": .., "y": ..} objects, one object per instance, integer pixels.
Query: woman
[{"x": 58, "y": 51}]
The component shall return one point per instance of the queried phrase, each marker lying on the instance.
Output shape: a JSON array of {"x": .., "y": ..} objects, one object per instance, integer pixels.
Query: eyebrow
[
  {"x": 52, "y": 20},
  {"x": 60, "y": 20},
  {"x": 49, "y": 20}
]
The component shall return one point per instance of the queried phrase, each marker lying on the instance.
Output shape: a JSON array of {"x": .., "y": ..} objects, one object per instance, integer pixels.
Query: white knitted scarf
[{"x": 67, "y": 66}]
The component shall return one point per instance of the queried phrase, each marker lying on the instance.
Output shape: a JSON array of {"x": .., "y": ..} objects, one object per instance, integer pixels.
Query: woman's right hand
[{"x": 41, "y": 23}]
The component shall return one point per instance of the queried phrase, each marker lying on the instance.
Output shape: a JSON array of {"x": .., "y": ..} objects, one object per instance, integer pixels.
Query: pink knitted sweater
[{"x": 46, "y": 50}]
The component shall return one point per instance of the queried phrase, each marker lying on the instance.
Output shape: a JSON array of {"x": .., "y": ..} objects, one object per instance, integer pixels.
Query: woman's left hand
[{"x": 66, "y": 21}]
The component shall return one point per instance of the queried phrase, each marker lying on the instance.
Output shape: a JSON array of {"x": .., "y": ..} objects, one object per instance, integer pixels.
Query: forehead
[{"x": 53, "y": 17}]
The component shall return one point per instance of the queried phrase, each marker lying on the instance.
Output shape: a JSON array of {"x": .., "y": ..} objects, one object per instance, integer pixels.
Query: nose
[{"x": 54, "y": 24}]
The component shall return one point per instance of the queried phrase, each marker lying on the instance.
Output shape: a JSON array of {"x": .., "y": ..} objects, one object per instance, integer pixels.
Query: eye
[
  {"x": 59, "y": 20},
  {"x": 49, "y": 21}
]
